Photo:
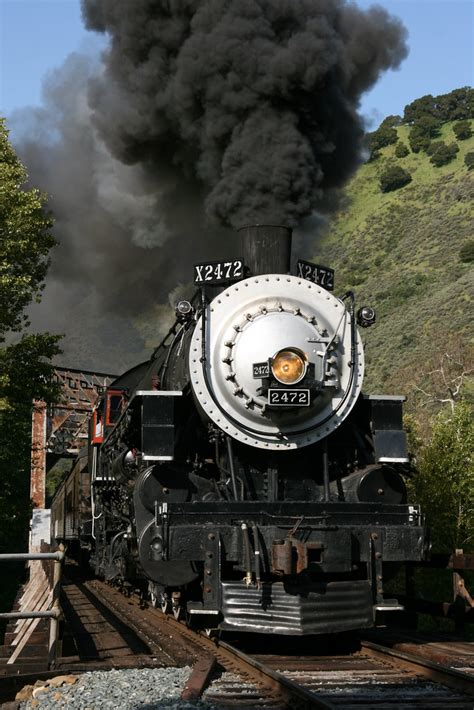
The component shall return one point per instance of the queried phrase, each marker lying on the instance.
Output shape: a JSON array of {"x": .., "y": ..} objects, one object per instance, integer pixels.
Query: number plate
[
  {"x": 288, "y": 398},
  {"x": 261, "y": 369},
  {"x": 321, "y": 275},
  {"x": 213, "y": 272}
]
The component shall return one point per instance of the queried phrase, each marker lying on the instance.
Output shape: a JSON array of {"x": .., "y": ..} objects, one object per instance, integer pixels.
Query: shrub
[
  {"x": 469, "y": 160},
  {"x": 457, "y": 105},
  {"x": 466, "y": 253},
  {"x": 441, "y": 154},
  {"x": 383, "y": 136},
  {"x": 401, "y": 150},
  {"x": 394, "y": 178},
  {"x": 374, "y": 155},
  {"x": 462, "y": 130},
  {"x": 418, "y": 139},
  {"x": 391, "y": 121},
  {"x": 444, "y": 481}
]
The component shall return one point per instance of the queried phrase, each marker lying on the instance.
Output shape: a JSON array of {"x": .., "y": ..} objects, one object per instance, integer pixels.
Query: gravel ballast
[{"x": 129, "y": 689}]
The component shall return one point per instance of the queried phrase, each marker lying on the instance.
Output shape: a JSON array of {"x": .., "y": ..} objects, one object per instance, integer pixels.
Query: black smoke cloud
[
  {"x": 199, "y": 116},
  {"x": 126, "y": 240},
  {"x": 255, "y": 100}
]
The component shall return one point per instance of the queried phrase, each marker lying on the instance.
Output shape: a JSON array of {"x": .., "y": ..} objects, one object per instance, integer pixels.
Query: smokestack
[{"x": 266, "y": 248}]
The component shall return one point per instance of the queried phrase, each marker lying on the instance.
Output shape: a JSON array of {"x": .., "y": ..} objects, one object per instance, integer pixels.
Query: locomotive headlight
[{"x": 289, "y": 366}]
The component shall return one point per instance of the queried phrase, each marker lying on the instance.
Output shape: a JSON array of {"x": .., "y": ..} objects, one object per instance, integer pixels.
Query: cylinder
[
  {"x": 375, "y": 484},
  {"x": 265, "y": 249}
]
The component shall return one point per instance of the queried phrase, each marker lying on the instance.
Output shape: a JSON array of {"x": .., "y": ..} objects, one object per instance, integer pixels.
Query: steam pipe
[
  {"x": 257, "y": 553},
  {"x": 326, "y": 470},
  {"x": 230, "y": 455}
]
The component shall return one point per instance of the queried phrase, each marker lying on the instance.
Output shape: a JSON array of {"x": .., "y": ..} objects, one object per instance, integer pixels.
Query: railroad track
[
  {"x": 108, "y": 629},
  {"x": 373, "y": 676}
]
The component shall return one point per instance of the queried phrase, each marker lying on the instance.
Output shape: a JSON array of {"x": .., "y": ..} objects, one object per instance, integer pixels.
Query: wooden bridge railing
[{"x": 39, "y": 599}]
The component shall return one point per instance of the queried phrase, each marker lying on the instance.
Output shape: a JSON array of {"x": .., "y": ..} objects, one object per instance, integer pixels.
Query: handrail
[
  {"x": 59, "y": 556},
  {"x": 53, "y": 613}
]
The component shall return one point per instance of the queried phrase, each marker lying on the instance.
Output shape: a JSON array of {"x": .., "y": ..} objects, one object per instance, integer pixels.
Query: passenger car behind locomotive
[{"x": 241, "y": 475}]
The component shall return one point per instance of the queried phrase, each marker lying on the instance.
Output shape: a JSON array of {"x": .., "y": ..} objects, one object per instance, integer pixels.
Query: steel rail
[
  {"x": 231, "y": 658},
  {"x": 299, "y": 696},
  {"x": 436, "y": 672}
]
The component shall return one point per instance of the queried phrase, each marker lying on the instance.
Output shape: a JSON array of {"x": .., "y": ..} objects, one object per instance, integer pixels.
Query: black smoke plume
[
  {"x": 200, "y": 115},
  {"x": 255, "y": 100}
]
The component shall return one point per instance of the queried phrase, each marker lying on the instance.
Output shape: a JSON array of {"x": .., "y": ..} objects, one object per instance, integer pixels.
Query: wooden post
[
  {"x": 38, "y": 455},
  {"x": 54, "y": 622}
]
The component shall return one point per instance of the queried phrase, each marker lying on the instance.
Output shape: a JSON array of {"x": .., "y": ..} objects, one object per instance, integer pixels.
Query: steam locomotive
[{"x": 240, "y": 477}]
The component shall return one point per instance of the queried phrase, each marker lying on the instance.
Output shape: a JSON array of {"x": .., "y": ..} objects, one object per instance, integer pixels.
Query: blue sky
[{"x": 37, "y": 35}]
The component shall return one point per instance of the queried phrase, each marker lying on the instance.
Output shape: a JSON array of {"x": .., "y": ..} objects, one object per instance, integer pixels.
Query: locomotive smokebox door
[{"x": 158, "y": 425}]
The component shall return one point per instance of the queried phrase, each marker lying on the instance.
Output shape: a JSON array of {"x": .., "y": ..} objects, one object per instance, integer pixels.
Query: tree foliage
[
  {"x": 393, "y": 178},
  {"x": 469, "y": 160},
  {"x": 462, "y": 130},
  {"x": 383, "y": 136},
  {"x": 422, "y": 133},
  {"x": 428, "y": 113},
  {"x": 444, "y": 479},
  {"x": 401, "y": 150},
  {"x": 25, "y": 375},
  {"x": 441, "y": 435},
  {"x": 419, "y": 139},
  {"x": 25, "y": 369},
  {"x": 442, "y": 153},
  {"x": 25, "y": 238},
  {"x": 458, "y": 105},
  {"x": 466, "y": 253}
]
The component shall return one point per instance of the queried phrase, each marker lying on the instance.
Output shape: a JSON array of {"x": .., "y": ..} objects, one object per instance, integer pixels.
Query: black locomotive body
[{"x": 240, "y": 476}]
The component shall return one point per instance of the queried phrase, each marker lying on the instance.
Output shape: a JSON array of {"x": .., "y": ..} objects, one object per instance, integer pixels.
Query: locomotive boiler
[{"x": 241, "y": 477}]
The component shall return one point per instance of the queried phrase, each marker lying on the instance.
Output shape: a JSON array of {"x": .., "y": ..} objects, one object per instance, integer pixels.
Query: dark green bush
[
  {"x": 423, "y": 106},
  {"x": 394, "y": 178},
  {"x": 383, "y": 136},
  {"x": 441, "y": 154},
  {"x": 401, "y": 150},
  {"x": 469, "y": 160},
  {"x": 444, "y": 482},
  {"x": 462, "y": 130},
  {"x": 466, "y": 253},
  {"x": 374, "y": 155},
  {"x": 418, "y": 139}
]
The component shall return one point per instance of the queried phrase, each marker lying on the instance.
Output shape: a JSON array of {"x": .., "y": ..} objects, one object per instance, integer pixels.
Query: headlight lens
[{"x": 289, "y": 366}]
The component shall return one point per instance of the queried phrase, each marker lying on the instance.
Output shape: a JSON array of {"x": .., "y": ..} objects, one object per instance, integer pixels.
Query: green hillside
[{"x": 400, "y": 252}]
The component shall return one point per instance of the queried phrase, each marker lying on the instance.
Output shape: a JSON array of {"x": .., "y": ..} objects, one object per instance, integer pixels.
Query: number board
[
  {"x": 288, "y": 398},
  {"x": 213, "y": 272},
  {"x": 321, "y": 275},
  {"x": 261, "y": 369}
]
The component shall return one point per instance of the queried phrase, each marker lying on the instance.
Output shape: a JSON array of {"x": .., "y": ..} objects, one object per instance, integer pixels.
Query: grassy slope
[{"x": 399, "y": 252}]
